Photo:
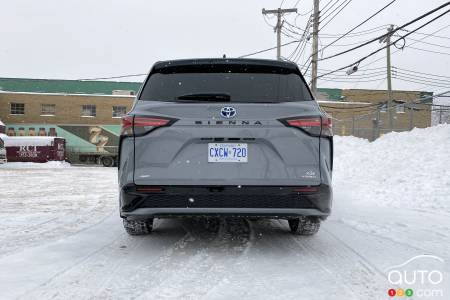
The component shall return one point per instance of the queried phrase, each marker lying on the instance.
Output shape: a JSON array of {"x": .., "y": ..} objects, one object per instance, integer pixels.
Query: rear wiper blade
[{"x": 220, "y": 97}]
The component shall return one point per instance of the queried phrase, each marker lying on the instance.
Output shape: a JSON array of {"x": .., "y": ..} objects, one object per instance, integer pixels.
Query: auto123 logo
[{"x": 420, "y": 277}]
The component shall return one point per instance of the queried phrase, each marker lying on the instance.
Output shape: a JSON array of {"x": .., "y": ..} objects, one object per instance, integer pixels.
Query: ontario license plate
[{"x": 227, "y": 152}]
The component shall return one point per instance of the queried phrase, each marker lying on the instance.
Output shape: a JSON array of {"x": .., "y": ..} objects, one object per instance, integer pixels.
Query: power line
[
  {"x": 324, "y": 11},
  {"x": 420, "y": 81},
  {"x": 363, "y": 79},
  {"x": 301, "y": 14},
  {"x": 422, "y": 77},
  {"x": 268, "y": 49},
  {"x": 357, "y": 79},
  {"x": 359, "y": 25},
  {"x": 357, "y": 33},
  {"x": 371, "y": 69},
  {"x": 431, "y": 51},
  {"x": 391, "y": 32},
  {"x": 415, "y": 72},
  {"x": 431, "y": 44},
  {"x": 392, "y": 43},
  {"x": 365, "y": 75},
  {"x": 332, "y": 18},
  {"x": 302, "y": 45},
  {"x": 427, "y": 36}
]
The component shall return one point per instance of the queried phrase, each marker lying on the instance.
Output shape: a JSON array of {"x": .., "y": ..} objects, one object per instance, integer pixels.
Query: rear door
[{"x": 191, "y": 139}]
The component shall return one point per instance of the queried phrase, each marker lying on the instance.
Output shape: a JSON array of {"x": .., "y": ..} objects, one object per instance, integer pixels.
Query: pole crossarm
[{"x": 279, "y": 12}]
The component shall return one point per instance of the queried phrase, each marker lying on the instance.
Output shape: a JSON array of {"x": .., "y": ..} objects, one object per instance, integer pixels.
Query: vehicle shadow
[{"x": 211, "y": 233}]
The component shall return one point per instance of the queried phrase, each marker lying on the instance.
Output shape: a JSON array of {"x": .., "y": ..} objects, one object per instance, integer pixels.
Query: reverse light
[
  {"x": 137, "y": 125},
  {"x": 315, "y": 126}
]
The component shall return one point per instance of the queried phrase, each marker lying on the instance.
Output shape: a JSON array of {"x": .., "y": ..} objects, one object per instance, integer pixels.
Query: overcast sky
[{"x": 74, "y": 39}]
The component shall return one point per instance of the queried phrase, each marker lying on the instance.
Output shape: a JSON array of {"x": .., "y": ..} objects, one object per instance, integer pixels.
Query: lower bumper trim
[{"x": 145, "y": 213}]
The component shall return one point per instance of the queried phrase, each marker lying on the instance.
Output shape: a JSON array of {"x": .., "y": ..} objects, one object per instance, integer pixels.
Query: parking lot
[{"x": 61, "y": 237}]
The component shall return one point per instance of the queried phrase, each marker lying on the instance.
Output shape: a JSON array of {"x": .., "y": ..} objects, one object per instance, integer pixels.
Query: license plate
[{"x": 227, "y": 152}]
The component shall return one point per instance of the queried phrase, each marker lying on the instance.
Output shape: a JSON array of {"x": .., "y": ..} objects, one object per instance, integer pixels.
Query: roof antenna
[{"x": 224, "y": 56}]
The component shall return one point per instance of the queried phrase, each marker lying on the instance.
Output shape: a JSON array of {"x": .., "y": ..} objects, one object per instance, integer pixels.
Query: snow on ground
[
  {"x": 401, "y": 170},
  {"x": 31, "y": 165},
  {"x": 61, "y": 237}
]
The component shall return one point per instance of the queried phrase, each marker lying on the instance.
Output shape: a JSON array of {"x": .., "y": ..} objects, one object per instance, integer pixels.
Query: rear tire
[
  {"x": 304, "y": 225},
  {"x": 138, "y": 227},
  {"x": 107, "y": 161}
]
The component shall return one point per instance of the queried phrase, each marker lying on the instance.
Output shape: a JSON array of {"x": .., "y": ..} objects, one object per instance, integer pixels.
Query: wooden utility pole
[
  {"x": 315, "y": 48},
  {"x": 279, "y": 12},
  {"x": 389, "y": 78}
]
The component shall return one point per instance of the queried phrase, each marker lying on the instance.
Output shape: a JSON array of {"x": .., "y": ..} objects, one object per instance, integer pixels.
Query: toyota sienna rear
[{"x": 225, "y": 138}]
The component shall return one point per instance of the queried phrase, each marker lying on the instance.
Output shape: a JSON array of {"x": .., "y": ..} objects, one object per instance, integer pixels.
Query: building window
[
  {"x": 400, "y": 108},
  {"x": 119, "y": 111},
  {"x": 383, "y": 107},
  {"x": 88, "y": 110},
  {"x": 48, "y": 109},
  {"x": 17, "y": 109}
]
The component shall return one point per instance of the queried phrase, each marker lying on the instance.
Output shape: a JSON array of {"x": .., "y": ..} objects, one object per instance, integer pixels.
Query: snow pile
[
  {"x": 31, "y": 165},
  {"x": 408, "y": 169}
]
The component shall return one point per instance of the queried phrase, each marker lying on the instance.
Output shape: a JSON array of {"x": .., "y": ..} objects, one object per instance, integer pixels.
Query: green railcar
[{"x": 85, "y": 144}]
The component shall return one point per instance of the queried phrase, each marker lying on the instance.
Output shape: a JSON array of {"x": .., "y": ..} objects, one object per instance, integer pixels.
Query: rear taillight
[
  {"x": 149, "y": 189},
  {"x": 315, "y": 126},
  {"x": 137, "y": 125},
  {"x": 127, "y": 126},
  {"x": 306, "y": 189}
]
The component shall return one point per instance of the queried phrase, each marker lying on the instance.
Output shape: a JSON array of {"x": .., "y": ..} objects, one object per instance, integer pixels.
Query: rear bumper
[
  {"x": 140, "y": 202},
  {"x": 144, "y": 213}
]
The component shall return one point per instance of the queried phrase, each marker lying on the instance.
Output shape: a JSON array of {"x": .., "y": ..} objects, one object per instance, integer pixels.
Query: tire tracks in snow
[
  {"x": 138, "y": 270},
  {"x": 93, "y": 270},
  {"x": 202, "y": 262}
]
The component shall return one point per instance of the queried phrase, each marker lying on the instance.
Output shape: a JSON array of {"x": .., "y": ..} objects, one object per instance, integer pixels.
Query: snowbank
[
  {"x": 408, "y": 169},
  {"x": 31, "y": 165}
]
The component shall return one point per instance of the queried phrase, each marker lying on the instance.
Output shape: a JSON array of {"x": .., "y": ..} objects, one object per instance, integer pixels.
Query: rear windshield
[{"x": 251, "y": 85}]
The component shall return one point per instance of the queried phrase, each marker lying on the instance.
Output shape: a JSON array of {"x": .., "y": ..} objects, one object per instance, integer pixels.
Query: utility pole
[
  {"x": 315, "y": 48},
  {"x": 279, "y": 12},
  {"x": 389, "y": 78},
  {"x": 411, "y": 115}
]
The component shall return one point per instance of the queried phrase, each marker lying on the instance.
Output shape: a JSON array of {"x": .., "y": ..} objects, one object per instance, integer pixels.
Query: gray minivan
[{"x": 225, "y": 138}]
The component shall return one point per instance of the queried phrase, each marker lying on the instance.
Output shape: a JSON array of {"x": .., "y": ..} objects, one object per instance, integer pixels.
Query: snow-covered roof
[
  {"x": 66, "y": 94},
  {"x": 15, "y": 141}
]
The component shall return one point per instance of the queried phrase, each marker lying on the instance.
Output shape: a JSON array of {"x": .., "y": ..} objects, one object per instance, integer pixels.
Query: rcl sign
[{"x": 28, "y": 151}]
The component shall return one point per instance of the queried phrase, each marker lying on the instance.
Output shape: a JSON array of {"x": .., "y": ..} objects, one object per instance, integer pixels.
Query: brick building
[
  {"x": 33, "y": 103},
  {"x": 364, "y": 113}
]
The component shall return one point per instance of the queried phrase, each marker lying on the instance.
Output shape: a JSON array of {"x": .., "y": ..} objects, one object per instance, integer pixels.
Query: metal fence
[{"x": 371, "y": 125}]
